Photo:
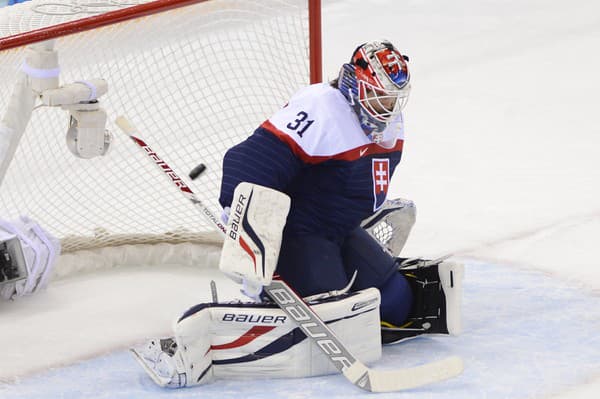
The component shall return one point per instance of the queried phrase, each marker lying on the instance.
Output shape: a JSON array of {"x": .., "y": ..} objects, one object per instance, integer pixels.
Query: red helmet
[{"x": 376, "y": 79}]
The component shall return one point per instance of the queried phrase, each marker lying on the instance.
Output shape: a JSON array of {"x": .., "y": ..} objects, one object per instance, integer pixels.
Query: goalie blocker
[{"x": 253, "y": 238}]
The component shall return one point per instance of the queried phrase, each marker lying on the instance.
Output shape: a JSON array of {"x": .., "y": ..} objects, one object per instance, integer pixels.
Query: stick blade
[{"x": 414, "y": 377}]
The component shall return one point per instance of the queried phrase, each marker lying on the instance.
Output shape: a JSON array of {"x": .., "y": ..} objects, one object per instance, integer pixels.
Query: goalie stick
[{"x": 309, "y": 322}]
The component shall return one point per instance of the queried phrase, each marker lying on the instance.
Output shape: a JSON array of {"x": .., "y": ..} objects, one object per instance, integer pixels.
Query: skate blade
[{"x": 162, "y": 382}]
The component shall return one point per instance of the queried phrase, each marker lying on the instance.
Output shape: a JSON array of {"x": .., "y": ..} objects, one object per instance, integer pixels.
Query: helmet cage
[
  {"x": 381, "y": 104},
  {"x": 348, "y": 85}
]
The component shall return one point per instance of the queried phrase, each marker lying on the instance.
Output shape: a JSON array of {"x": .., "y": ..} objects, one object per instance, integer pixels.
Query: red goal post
[{"x": 196, "y": 76}]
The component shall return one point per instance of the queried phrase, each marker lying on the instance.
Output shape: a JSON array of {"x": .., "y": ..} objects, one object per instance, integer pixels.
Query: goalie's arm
[{"x": 261, "y": 159}]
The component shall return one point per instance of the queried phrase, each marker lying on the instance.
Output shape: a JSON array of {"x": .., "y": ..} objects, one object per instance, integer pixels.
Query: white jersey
[{"x": 322, "y": 125}]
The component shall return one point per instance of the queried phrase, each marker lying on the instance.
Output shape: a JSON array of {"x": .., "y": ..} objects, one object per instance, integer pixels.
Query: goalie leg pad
[{"x": 244, "y": 340}]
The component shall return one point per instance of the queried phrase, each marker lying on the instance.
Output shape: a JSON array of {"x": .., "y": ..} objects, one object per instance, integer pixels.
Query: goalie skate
[{"x": 158, "y": 359}]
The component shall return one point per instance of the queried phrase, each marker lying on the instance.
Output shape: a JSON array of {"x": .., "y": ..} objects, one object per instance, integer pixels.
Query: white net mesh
[{"x": 193, "y": 80}]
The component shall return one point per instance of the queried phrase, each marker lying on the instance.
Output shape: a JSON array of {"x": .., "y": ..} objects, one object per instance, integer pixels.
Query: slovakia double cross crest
[{"x": 381, "y": 181}]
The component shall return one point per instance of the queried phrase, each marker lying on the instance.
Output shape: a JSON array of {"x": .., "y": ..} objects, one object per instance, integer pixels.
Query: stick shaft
[{"x": 128, "y": 129}]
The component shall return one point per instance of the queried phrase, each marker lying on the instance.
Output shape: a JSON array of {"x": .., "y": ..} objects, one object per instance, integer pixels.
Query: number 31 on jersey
[{"x": 300, "y": 124}]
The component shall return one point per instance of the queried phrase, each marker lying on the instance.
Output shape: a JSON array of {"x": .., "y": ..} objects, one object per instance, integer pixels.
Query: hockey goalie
[{"x": 304, "y": 197}]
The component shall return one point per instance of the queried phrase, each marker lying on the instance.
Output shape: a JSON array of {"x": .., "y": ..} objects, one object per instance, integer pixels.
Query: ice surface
[{"x": 526, "y": 335}]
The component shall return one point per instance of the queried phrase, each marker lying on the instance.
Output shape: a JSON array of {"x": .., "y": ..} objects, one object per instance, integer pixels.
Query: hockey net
[{"x": 195, "y": 77}]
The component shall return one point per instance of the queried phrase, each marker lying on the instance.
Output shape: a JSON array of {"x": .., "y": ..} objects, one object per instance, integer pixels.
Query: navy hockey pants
[{"x": 312, "y": 264}]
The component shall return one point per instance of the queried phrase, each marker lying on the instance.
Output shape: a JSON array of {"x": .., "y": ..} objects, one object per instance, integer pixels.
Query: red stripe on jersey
[{"x": 349, "y": 155}]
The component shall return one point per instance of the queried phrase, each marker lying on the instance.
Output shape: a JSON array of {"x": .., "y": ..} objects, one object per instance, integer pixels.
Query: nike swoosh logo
[
  {"x": 360, "y": 305},
  {"x": 363, "y": 151}
]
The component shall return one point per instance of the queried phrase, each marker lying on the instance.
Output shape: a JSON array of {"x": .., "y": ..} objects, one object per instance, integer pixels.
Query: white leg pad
[{"x": 245, "y": 340}]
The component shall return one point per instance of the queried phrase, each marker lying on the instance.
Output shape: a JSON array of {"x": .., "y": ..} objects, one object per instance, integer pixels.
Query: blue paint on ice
[{"x": 526, "y": 334}]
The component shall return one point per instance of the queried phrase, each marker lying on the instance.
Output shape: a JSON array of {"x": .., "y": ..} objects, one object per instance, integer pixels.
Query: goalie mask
[{"x": 376, "y": 82}]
